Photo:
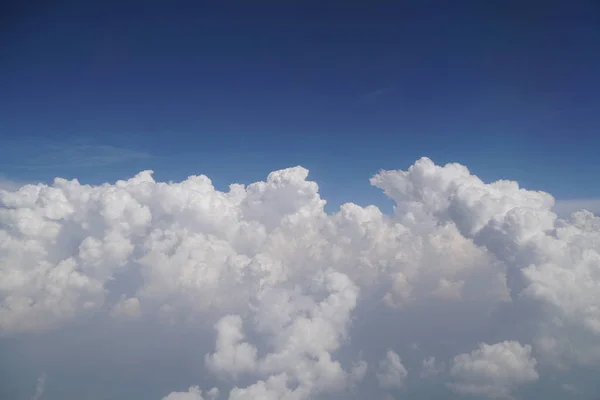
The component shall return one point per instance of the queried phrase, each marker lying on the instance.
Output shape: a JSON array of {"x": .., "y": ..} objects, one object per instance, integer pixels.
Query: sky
[
  {"x": 342, "y": 88},
  {"x": 299, "y": 200}
]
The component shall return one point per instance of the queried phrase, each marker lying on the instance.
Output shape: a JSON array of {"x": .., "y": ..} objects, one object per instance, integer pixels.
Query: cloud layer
[{"x": 473, "y": 288}]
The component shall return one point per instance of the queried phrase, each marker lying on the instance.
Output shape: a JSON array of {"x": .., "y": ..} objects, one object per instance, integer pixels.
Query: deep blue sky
[{"x": 237, "y": 89}]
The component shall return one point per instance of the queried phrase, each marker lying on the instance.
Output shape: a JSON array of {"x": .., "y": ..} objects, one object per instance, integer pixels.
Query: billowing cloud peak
[{"x": 304, "y": 304}]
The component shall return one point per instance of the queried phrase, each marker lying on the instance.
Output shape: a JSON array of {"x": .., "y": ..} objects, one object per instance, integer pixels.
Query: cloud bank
[{"x": 470, "y": 288}]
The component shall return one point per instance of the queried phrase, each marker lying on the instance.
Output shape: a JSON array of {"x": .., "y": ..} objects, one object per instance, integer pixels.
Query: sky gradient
[
  {"x": 168, "y": 285},
  {"x": 343, "y": 89}
]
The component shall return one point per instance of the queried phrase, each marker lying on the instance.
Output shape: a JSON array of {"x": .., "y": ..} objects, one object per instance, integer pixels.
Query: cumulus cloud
[
  {"x": 287, "y": 301},
  {"x": 232, "y": 356},
  {"x": 493, "y": 370},
  {"x": 126, "y": 308}
]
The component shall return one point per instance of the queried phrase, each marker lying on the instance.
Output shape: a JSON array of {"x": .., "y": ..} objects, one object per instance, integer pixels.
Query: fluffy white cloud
[
  {"x": 126, "y": 308},
  {"x": 193, "y": 393},
  {"x": 232, "y": 356},
  {"x": 300, "y": 303},
  {"x": 493, "y": 370}
]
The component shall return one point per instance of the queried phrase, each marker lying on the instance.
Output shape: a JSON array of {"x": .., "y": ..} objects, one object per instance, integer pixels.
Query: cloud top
[{"x": 304, "y": 304}]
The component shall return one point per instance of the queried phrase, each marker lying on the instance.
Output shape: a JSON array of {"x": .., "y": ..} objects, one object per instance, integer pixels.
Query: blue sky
[
  {"x": 101, "y": 90},
  {"x": 235, "y": 89}
]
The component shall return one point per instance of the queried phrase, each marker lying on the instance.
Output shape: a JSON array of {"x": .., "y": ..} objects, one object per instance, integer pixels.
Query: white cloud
[
  {"x": 232, "y": 356},
  {"x": 391, "y": 372},
  {"x": 304, "y": 303},
  {"x": 40, "y": 387},
  {"x": 493, "y": 370},
  {"x": 193, "y": 393},
  {"x": 126, "y": 308}
]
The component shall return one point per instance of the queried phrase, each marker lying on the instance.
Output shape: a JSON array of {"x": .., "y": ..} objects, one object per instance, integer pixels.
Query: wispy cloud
[
  {"x": 375, "y": 94},
  {"x": 570, "y": 388},
  {"x": 81, "y": 153},
  {"x": 90, "y": 156},
  {"x": 40, "y": 386}
]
